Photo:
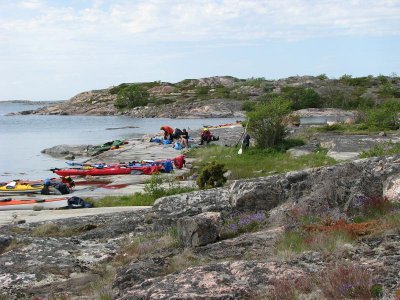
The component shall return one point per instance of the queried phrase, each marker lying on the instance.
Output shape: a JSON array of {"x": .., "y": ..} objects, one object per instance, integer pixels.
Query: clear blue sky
[{"x": 52, "y": 50}]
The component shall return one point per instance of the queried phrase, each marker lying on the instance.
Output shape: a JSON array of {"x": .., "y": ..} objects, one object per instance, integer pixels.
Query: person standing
[{"x": 246, "y": 140}]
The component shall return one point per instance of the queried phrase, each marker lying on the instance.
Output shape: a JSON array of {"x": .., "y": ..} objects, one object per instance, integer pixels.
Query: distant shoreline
[{"x": 31, "y": 102}]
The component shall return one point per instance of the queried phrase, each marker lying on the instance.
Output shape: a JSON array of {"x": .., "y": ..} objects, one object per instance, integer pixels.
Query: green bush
[
  {"x": 384, "y": 117},
  {"x": 265, "y": 122},
  {"x": 249, "y": 105},
  {"x": 132, "y": 96},
  {"x": 211, "y": 175},
  {"x": 115, "y": 90},
  {"x": 222, "y": 92},
  {"x": 358, "y": 81},
  {"x": 202, "y": 91},
  {"x": 302, "y": 97},
  {"x": 322, "y": 76},
  {"x": 255, "y": 82}
]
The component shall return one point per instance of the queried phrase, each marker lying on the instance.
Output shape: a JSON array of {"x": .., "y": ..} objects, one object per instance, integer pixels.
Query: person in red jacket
[{"x": 168, "y": 132}]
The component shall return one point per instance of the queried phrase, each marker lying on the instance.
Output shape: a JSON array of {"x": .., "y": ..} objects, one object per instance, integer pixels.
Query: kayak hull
[
  {"x": 93, "y": 172},
  {"x": 29, "y": 204},
  {"x": 21, "y": 188}
]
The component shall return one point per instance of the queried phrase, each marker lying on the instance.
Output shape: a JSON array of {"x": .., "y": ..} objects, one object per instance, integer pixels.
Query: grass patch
[
  {"x": 146, "y": 244},
  {"x": 382, "y": 150},
  {"x": 54, "y": 230},
  {"x": 255, "y": 162},
  {"x": 154, "y": 188},
  {"x": 137, "y": 199},
  {"x": 346, "y": 128},
  {"x": 183, "y": 261}
]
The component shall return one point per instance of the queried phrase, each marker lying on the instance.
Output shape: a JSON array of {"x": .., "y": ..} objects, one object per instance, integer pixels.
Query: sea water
[{"x": 24, "y": 136}]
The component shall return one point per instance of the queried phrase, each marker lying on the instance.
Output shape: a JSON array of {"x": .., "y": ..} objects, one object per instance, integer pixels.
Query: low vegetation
[
  {"x": 342, "y": 280},
  {"x": 55, "y": 230},
  {"x": 242, "y": 222},
  {"x": 368, "y": 216},
  {"x": 146, "y": 244},
  {"x": 255, "y": 162},
  {"x": 211, "y": 175},
  {"x": 338, "y": 281},
  {"x": 265, "y": 123},
  {"x": 155, "y": 188},
  {"x": 345, "y": 93}
]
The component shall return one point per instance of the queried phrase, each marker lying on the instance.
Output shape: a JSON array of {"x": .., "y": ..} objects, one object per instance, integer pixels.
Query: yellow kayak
[{"x": 20, "y": 187}]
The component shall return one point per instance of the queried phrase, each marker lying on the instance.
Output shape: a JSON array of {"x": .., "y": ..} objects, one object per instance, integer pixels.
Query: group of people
[
  {"x": 58, "y": 188},
  {"x": 177, "y": 134},
  {"x": 183, "y": 135}
]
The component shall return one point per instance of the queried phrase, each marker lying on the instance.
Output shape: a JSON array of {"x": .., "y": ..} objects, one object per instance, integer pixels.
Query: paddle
[{"x": 245, "y": 130}]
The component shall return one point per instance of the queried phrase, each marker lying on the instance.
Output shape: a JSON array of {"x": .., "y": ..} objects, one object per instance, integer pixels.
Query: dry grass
[
  {"x": 346, "y": 281},
  {"x": 352, "y": 229},
  {"x": 102, "y": 288},
  {"x": 341, "y": 281},
  {"x": 12, "y": 246},
  {"x": 54, "y": 230},
  {"x": 146, "y": 244},
  {"x": 183, "y": 261}
]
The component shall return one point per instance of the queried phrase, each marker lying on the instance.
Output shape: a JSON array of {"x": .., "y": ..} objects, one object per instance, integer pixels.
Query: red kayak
[
  {"x": 93, "y": 171},
  {"x": 147, "y": 170}
]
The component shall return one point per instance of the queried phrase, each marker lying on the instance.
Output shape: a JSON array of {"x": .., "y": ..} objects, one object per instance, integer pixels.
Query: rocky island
[{"x": 224, "y": 96}]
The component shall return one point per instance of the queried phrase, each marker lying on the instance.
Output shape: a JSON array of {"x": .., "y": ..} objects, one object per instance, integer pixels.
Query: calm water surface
[{"x": 23, "y": 137}]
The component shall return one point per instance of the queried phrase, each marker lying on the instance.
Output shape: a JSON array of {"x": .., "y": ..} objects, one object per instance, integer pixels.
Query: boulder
[
  {"x": 315, "y": 191},
  {"x": 67, "y": 150},
  {"x": 199, "y": 230},
  {"x": 167, "y": 210}
]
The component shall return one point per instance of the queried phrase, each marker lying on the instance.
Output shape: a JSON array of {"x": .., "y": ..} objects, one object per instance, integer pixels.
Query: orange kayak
[{"x": 10, "y": 201}]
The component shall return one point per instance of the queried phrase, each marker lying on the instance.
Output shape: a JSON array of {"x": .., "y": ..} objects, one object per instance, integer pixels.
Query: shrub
[
  {"x": 132, "y": 96},
  {"x": 265, "y": 123},
  {"x": 202, "y": 91},
  {"x": 284, "y": 289},
  {"x": 302, "y": 97},
  {"x": 372, "y": 207},
  {"x": 255, "y": 82},
  {"x": 387, "y": 90},
  {"x": 115, "y": 90},
  {"x": 249, "y": 105},
  {"x": 346, "y": 281},
  {"x": 384, "y": 117},
  {"x": 211, "y": 175},
  {"x": 222, "y": 92},
  {"x": 322, "y": 76},
  {"x": 153, "y": 187}
]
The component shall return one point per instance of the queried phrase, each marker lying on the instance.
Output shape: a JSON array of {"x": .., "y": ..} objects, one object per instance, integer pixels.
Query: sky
[{"x": 52, "y": 50}]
